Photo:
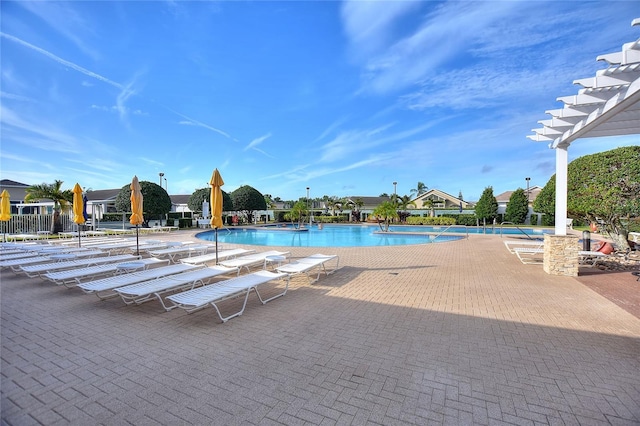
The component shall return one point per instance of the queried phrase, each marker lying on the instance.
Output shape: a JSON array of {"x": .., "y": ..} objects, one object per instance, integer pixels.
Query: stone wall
[{"x": 561, "y": 255}]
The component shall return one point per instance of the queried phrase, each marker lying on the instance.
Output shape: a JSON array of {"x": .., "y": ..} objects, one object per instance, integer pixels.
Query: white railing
[{"x": 34, "y": 223}]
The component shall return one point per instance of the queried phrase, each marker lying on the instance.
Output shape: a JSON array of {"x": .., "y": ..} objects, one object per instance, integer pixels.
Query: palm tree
[
  {"x": 61, "y": 200},
  {"x": 403, "y": 204},
  {"x": 356, "y": 205},
  {"x": 297, "y": 213},
  {"x": 428, "y": 203},
  {"x": 420, "y": 189},
  {"x": 385, "y": 211}
]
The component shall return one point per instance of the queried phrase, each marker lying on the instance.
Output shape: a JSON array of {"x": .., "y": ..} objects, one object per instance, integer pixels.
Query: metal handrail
[
  {"x": 447, "y": 228},
  {"x": 518, "y": 228}
]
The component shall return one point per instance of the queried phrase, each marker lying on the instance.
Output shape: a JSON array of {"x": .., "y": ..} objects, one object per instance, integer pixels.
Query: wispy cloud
[
  {"x": 65, "y": 20},
  {"x": 369, "y": 24},
  {"x": 257, "y": 141},
  {"x": 349, "y": 143},
  {"x": 35, "y": 134},
  {"x": 14, "y": 97},
  {"x": 152, "y": 162},
  {"x": 436, "y": 41},
  {"x": 193, "y": 122},
  {"x": 62, "y": 61}
]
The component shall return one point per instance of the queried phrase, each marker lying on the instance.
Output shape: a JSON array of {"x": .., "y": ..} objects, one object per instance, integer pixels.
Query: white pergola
[{"x": 606, "y": 105}]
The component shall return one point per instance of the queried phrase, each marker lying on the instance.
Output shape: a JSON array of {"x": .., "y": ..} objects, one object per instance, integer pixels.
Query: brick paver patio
[{"x": 453, "y": 333}]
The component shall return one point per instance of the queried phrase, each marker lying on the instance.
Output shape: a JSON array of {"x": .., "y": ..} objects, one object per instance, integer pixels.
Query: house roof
[
  {"x": 369, "y": 201},
  {"x": 179, "y": 199},
  {"x": 102, "y": 194},
  {"x": 442, "y": 195},
  {"x": 506, "y": 196},
  {"x": 12, "y": 183}
]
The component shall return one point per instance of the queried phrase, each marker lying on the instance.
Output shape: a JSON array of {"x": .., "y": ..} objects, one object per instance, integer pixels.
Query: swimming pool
[{"x": 349, "y": 235}]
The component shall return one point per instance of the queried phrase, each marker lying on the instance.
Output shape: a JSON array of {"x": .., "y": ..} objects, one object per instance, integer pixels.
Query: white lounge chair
[
  {"x": 253, "y": 259},
  {"x": 590, "y": 258},
  {"x": 44, "y": 268},
  {"x": 529, "y": 255},
  {"x": 104, "y": 288},
  {"x": 178, "y": 251},
  {"x": 512, "y": 244},
  {"x": 211, "y": 257},
  {"x": 213, "y": 294},
  {"x": 148, "y": 290},
  {"x": 17, "y": 264},
  {"x": 72, "y": 277},
  {"x": 307, "y": 264}
]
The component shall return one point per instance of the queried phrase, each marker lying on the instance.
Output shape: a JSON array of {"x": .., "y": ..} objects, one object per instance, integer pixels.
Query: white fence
[{"x": 34, "y": 223}]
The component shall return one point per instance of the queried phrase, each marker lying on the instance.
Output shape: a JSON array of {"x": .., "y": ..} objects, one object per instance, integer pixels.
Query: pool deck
[{"x": 451, "y": 333}]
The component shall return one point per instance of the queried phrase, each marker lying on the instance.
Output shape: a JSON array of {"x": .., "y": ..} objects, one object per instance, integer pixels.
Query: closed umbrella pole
[
  {"x": 5, "y": 212},
  {"x": 136, "y": 209},
  {"x": 216, "y": 204},
  {"x": 78, "y": 209}
]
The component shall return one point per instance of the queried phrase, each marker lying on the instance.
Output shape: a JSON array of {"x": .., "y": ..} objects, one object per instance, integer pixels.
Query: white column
[{"x": 561, "y": 190}]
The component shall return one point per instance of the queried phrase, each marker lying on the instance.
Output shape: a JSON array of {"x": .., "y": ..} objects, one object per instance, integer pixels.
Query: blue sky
[{"x": 342, "y": 97}]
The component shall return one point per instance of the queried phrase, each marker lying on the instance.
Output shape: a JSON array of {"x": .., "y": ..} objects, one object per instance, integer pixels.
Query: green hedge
[
  {"x": 435, "y": 221},
  {"x": 185, "y": 223},
  {"x": 331, "y": 219},
  {"x": 463, "y": 219}
]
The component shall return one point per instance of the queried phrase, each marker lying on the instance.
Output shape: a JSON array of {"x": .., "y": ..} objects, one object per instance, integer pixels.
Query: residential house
[{"x": 532, "y": 217}]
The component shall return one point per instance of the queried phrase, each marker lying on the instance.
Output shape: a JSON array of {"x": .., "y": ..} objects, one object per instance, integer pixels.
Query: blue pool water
[{"x": 348, "y": 235}]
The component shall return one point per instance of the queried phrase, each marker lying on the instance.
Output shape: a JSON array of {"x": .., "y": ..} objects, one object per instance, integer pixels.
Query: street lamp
[
  {"x": 527, "y": 179},
  {"x": 308, "y": 206},
  {"x": 161, "y": 174},
  {"x": 395, "y": 193},
  {"x": 166, "y": 185}
]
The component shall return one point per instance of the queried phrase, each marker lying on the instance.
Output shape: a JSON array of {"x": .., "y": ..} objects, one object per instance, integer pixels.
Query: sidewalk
[{"x": 450, "y": 333}]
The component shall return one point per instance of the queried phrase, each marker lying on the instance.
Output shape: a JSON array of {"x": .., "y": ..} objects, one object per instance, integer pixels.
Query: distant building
[
  {"x": 17, "y": 192},
  {"x": 503, "y": 200},
  {"x": 440, "y": 200}
]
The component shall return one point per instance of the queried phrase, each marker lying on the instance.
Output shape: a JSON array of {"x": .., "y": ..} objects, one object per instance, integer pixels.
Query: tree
[
  {"x": 247, "y": 199},
  {"x": 269, "y": 201},
  {"x": 603, "y": 187},
  {"x": 403, "y": 204},
  {"x": 545, "y": 202},
  {"x": 517, "y": 207},
  {"x": 355, "y": 206},
  {"x": 420, "y": 189},
  {"x": 487, "y": 207},
  {"x": 428, "y": 203},
  {"x": 387, "y": 212},
  {"x": 155, "y": 200},
  {"x": 51, "y": 191},
  {"x": 204, "y": 194},
  {"x": 297, "y": 213}
]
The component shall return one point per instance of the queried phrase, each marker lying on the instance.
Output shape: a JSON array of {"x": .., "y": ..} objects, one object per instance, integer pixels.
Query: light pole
[
  {"x": 527, "y": 179},
  {"x": 308, "y": 206},
  {"x": 166, "y": 185},
  {"x": 395, "y": 193}
]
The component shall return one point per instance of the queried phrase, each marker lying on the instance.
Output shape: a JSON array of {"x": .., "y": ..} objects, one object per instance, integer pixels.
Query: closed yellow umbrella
[
  {"x": 216, "y": 204},
  {"x": 136, "y": 208},
  {"x": 78, "y": 208},
  {"x": 5, "y": 210}
]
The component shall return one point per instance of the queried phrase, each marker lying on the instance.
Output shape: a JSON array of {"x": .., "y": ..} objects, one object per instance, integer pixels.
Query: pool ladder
[
  {"x": 517, "y": 227},
  {"x": 447, "y": 228}
]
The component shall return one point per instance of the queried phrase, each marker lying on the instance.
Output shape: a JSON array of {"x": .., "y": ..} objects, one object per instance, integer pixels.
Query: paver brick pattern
[{"x": 452, "y": 333}]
